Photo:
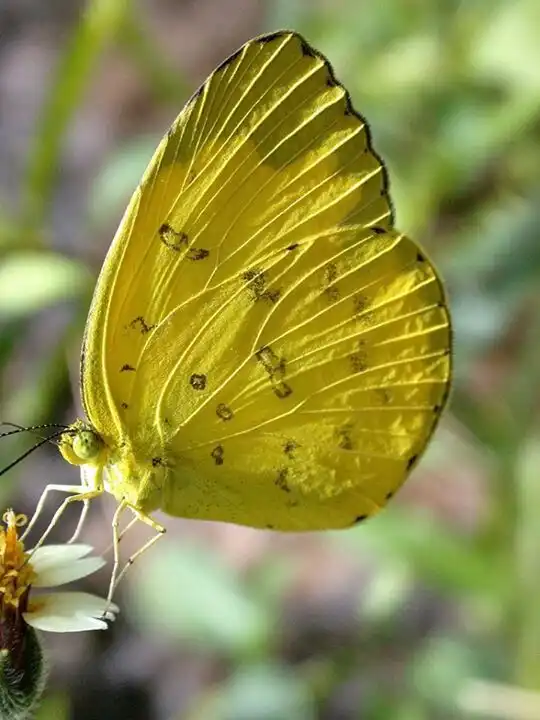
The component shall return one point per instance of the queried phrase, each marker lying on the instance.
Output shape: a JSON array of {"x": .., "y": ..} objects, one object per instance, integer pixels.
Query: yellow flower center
[{"x": 16, "y": 572}]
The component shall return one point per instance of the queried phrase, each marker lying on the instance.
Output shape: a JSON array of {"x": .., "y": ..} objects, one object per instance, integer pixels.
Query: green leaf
[{"x": 32, "y": 280}]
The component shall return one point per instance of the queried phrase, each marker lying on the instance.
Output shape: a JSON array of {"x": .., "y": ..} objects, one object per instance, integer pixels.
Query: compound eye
[{"x": 86, "y": 445}]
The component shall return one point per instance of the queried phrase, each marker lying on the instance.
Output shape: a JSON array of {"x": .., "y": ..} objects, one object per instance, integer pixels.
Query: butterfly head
[
  {"x": 81, "y": 445},
  {"x": 129, "y": 476}
]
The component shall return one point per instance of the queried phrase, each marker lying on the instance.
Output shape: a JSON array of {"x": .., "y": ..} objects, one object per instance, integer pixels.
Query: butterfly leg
[
  {"x": 159, "y": 529},
  {"x": 116, "y": 548},
  {"x": 74, "y": 489},
  {"x": 82, "y": 518},
  {"x": 80, "y": 497},
  {"x": 121, "y": 534}
]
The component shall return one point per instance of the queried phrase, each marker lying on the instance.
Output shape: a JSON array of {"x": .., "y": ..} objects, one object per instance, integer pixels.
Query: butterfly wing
[{"x": 258, "y": 325}]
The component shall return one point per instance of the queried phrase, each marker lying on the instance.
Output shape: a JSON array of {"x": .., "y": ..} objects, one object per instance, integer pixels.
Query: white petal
[
  {"x": 61, "y": 624},
  {"x": 48, "y": 555},
  {"x": 69, "y": 612},
  {"x": 63, "y": 573}
]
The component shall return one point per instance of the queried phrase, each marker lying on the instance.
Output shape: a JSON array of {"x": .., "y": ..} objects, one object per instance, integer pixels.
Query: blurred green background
[{"x": 430, "y": 611}]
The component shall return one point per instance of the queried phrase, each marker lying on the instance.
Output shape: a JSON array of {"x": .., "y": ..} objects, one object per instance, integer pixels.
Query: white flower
[{"x": 49, "y": 566}]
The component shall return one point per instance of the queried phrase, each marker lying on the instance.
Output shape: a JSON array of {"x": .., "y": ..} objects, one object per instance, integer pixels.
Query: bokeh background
[{"x": 428, "y": 612}]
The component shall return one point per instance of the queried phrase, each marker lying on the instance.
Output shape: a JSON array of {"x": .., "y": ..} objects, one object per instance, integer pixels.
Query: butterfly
[{"x": 263, "y": 346}]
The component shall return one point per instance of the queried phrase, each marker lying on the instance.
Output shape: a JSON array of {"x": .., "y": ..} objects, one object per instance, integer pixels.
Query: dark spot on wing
[
  {"x": 420, "y": 258},
  {"x": 217, "y": 454},
  {"x": 272, "y": 295},
  {"x": 197, "y": 254},
  {"x": 281, "y": 480},
  {"x": 224, "y": 411},
  {"x": 156, "y": 461},
  {"x": 330, "y": 273},
  {"x": 141, "y": 324},
  {"x": 359, "y": 519},
  {"x": 276, "y": 368},
  {"x": 389, "y": 495},
  {"x": 257, "y": 286},
  {"x": 289, "y": 448},
  {"x": 329, "y": 277},
  {"x": 358, "y": 361},
  {"x": 411, "y": 461},
  {"x": 269, "y": 527},
  {"x": 197, "y": 381},
  {"x": 282, "y": 390},
  {"x": 344, "y": 438},
  {"x": 360, "y": 303},
  {"x": 437, "y": 408},
  {"x": 256, "y": 281},
  {"x": 292, "y": 247},
  {"x": 273, "y": 364},
  {"x": 127, "y": 368},
  {"x": 378, "y": 230},
  {"x": 124, "y": 405},
  {"x": 173, "y": 239}
]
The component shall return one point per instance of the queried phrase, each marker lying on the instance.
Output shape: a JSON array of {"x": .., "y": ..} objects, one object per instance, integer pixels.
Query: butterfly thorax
[{"x": 124, "y": 472}]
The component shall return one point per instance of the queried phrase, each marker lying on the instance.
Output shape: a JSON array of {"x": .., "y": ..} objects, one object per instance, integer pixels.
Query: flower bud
[{"x": 23, "y": 669}]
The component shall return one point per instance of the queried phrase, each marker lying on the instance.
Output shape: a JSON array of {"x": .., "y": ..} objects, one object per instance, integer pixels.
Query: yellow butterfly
[{"x": 263, "y": 347}]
